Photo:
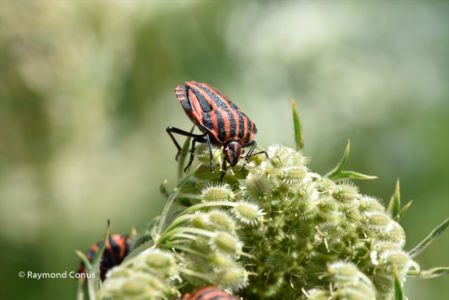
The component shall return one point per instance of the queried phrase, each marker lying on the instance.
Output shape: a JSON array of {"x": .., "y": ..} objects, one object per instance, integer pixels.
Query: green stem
[
  {"x": 195, "y": 274},
  {"x": 170, "y": 201},
  {"x": 208, "y": 204},
  {"x": 165, "y": 210},
  {"x": 184, "y": 249},
  {"x": 195, "y": 231},
  {"x": 177, "y": 221},
  {"x": 191, "y": 196}
]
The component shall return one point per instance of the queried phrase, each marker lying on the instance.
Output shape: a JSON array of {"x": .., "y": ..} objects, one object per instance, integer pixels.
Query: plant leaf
[
  {"x": 183, "y": 154},
  {"x": 84, "y": 259},
  {"x": 353, "y": 175},
  {"x": 398, "y": 293},
  {"x": 429, "y": 239},
  {"x": 395, "y": 202},
  {"x": 299, "y": 139},
  {"x": 170, "y": 200},
  {"x": 337, "y": 170},
  {"x": 96, "y": 259},
  {"x": 434, "y": 272},
  {"x": 404, "y": 209},
  {"x": 93, "y": 284},
  {"x": 88, "y": 267}
]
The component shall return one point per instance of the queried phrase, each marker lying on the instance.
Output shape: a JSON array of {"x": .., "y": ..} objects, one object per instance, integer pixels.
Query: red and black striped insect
[
  {"x": 116, "y": 249},
  {"x": 223, "y": 124},
  {"x": 208, "y": 293}
]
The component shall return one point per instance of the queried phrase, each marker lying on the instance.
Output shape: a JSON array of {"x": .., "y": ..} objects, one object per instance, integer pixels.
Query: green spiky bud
[
  {"x": 220, "y": 260},
  {"x": 347, "y": 192},
  {"x": 159, "y": 260},
  {"x": 226, "y": 242},
  {"x": 378, "y": 221},
  {"x": 247, "y": 213},
  {"x": 233, "y": 278},
  {"x": 200, "y": 220},
  {"x": 343, "y": 271},
  {"x": 220, "y": 220},
  {"x": 256, "y": 187},
  {"x": 217, "y": 192},
  {"x": 370, "y": 204}
]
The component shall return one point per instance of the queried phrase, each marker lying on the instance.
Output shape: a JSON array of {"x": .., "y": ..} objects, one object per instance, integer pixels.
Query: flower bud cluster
[
  {"x": 301, "y": 235},
  {"x": 347, "y": 282},
  {"x": 214, "y": 241},
  {"x": 312, "y": 225},
  {"x": 205, "y": 242},
  {"x": 151, "y": 274}
]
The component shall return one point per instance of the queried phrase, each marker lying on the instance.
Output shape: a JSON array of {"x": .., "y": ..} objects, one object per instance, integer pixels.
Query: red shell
[
  {"x": 208, "y": 293},
  {"x": 116, "y": 249},
  {"x": 215, "y": 114}
]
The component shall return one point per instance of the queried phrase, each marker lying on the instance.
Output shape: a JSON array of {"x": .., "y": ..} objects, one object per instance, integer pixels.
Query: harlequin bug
[
  {"x": 223, "y": 124},
  {"x": 116, "y": 249},
  {"x": 208, "y": 293}
]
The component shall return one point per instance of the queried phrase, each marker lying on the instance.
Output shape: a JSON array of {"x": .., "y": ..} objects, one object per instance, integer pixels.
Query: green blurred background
[{"x": 86, "y": 92}]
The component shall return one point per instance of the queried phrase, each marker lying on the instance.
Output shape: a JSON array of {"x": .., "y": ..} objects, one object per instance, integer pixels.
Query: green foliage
[
  {"x": 429, "y": 239},
  {"x": 398, "y": 293},
  {"x": 276, "y": 230},
  {"x": 394, "y": 206},
  {"x": 93, "y": 267},
  {"x": 339, "y": 173},
  {"x": 299, "y": 139}
]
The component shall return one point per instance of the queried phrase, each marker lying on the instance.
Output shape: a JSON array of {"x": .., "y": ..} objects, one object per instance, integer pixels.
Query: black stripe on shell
[
  {"x": 206, "y": 121},
  {"x": 221, "y": 126},
  {"x": 205, "y": 106},
  {"x": 241, "y": 131},
  {"x": 248, "y": 131},
  {"x": 232, "y": 124},
  {"x": 184, "y": 99}
]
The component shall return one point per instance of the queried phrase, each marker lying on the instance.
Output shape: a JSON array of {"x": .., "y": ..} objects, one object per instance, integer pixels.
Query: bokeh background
[{"x": 86, "y": 92}]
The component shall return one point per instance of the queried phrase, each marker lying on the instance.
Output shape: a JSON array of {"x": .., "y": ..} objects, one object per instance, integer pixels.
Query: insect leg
[
  {"x": 260, "y": 152},
  {"x": 250, "y": 153},
  {"x": 211, "y": 156},
  {"x": 171, "y": 130},
  {"x": 192, "y": 154}
]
